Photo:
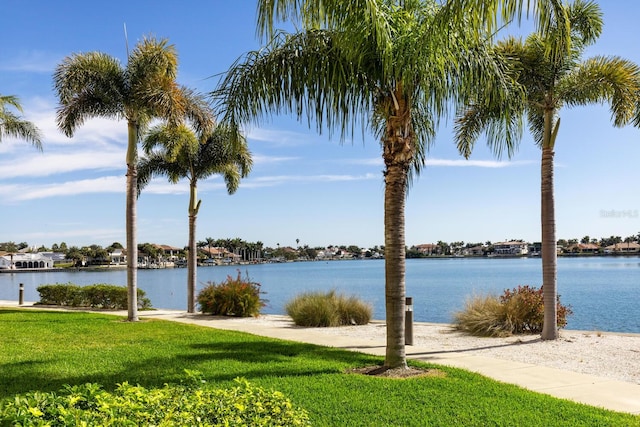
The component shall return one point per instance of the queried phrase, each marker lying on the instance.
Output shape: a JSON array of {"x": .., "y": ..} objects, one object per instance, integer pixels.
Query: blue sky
[{"x": 303, "y": 185}]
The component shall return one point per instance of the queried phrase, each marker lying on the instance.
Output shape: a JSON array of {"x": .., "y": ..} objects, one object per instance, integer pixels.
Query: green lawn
[{"x": 43, "y": 350}]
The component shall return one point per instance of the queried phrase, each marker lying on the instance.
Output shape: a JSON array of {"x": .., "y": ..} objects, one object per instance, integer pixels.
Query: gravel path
[{"x": 604, "y": 354}]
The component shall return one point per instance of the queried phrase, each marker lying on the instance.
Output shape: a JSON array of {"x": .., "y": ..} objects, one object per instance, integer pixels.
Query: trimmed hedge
[
  {"x": 171, "y": 405},
  {"x": 99, "y": 295}
]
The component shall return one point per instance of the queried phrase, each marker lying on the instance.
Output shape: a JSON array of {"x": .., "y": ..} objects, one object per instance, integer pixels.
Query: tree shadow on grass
[{"x": 221, "y": 357}]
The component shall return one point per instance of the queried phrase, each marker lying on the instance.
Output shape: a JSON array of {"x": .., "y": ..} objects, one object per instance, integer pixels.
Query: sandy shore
[{"x": 604, "y": 354}]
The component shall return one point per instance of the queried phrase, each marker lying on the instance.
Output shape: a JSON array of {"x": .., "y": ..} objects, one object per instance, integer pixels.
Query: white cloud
[
  {"x": 107, "y": 184},
  {"x": 281, "y": 138},
  {"x": 276, "y": 180},
  {"x": 448, "y": 163},
  {"x": 261, "y": 159},
  {"x": 476, "y": 163},
  {"x": 38, "y": 164},
  {"x": 33, "y": 61}
]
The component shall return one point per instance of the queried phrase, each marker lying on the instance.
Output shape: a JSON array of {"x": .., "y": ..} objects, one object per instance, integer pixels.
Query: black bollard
[
  {"x": 21, "y": 294},
  {"x": 408, "y": 321}
]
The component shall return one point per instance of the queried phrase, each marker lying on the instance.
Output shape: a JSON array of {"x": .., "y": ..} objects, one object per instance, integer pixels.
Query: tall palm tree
[
  {"x": 395, "y": 68},
  {"x": 549, "y": 83},
  {"x": 95, "y": 84},
  {"x": 177, "y": 152},
  {"x": 13, "y": 125}
]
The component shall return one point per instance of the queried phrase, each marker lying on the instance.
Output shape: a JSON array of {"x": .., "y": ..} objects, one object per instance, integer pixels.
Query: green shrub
[
  {"x": 516, "y": 311},
  {"x": 319, "y": 309},
  {"x": 61, "y": 294},
  {"x": 89, "y": 404},
  {"x": 96, "y": 296},
  {"x": 234, "y": 297},
  {"x": 525, "y": 309}
]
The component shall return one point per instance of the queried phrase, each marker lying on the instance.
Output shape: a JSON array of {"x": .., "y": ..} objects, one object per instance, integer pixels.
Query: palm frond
[
  {"x": 604, "y": 79},
  {"x": 305, "y": 74},
  {"x": 88, "y": 85},
  {"x": 12, "y": 125}
]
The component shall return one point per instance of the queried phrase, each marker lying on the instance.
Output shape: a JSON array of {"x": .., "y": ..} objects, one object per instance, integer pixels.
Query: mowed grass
[{"x": 43, "y": 350}]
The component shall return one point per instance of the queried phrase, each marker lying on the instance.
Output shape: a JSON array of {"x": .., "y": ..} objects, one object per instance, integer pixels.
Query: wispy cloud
[
  {"x": 277, "y": 180},
  {"x": 447, "y": 163},
  {"x": 107, "y": 184},
  {"x": 42, "y": 164},
  {"x": 282, "y": 138},
  {"x": 33, "y": 61},
  {"x": 261, "y": 159},
  {"x": 476, "y": 163}
]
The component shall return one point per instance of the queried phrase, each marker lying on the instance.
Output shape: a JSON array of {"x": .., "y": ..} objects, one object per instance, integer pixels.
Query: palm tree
[
  {"x": 95, "y": 84},
  {"x": 548, "y": 83},
  {"x": 12, "y": 125},
  {"x": 177, "y": 152},
  {"x": 395, "y": 68},
  {"x": 209, "y": 241}
]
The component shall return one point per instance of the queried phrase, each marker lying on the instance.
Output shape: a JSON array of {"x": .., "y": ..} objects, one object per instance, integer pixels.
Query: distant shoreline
[{"x": 123, "y": 267}]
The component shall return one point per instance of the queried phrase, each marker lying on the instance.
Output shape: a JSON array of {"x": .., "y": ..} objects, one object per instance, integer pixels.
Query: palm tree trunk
[
  {"x": 394, "y": 259},
  {"x": 398, "y": 153},
  {"x": 549, "y": 250},
  {"x": 131, "y": 209},
  {"x": 193, "y": 251}
]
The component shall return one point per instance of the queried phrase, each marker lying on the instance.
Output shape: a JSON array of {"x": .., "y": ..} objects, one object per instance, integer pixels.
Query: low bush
[
  {"x": 234, "y": 297},
  {"x": 516, "y": 311},
  {"x": 96, "y": 296},
  {"x": 61, "y": 294},
  {"x": 318, "y": 309},
  {"x": 89, "y": 404}
]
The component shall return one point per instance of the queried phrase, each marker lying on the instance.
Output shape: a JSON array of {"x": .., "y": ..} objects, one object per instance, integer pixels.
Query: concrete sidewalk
[{"x": 588, "y": 389}]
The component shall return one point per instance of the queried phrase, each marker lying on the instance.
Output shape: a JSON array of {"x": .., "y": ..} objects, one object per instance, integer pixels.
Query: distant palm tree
[
  {"x": 95, "y": 84},
  {"x": 549, "y": 82},
  {"x": 210, "y": 241},
  {"x": 12, "y": 125},
  {"x": 179, "y": 153}
]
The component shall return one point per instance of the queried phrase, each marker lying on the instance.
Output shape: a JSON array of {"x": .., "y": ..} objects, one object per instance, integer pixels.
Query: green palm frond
[
  {"x": 601, "y": 79},
  {"x": 306, "y": 74},
  {"x": 89, "y": 85},
  {"x": 12, "y": 125}
]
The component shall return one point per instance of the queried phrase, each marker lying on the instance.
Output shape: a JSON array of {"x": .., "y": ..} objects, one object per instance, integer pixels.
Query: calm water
[{"x": 602, "y": 291}]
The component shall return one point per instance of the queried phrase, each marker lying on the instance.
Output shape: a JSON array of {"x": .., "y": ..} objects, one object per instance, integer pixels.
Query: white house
[
  {"x": 623, "y": 248},
  {"x": 25, "y": 261},
  {"x": 512, "y": 248}
]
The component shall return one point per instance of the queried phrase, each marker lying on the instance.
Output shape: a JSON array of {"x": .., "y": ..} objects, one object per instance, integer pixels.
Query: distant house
[
  {"x": 427, "y": 248},
  {"x": 19, "y": 261},
  {"x": 512, "y": 248},
  {"x": 585, "y": 248},
  {"x": 623, "y": 248},
  {"x": 169, "y": 253},
  {"x": 118, "y": 256},
  {"x": 474, "y": 251}
]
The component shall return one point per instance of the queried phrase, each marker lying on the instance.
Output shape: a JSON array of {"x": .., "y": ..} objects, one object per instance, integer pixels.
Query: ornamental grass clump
[
  {"x": 238, "y": 297},
  {"x": 516, "y": 311},
  {"x": 318, "y": 309}
]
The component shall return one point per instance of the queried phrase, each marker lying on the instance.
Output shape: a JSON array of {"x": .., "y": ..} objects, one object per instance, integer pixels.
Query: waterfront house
[
  {"x": 19, "y": 261},
  {"x": 623, "y": 248},
  {"x": 512, "y": 248},
  {"x": 427, "y": 248},
  {"x": 585, "y": 248},
  {"x": 475, "y": 251},
  {"x": 118, "y": 257}
]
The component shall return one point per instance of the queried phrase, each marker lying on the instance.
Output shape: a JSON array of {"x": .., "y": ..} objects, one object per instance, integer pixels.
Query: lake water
[{"x": 602, "y": 291}]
